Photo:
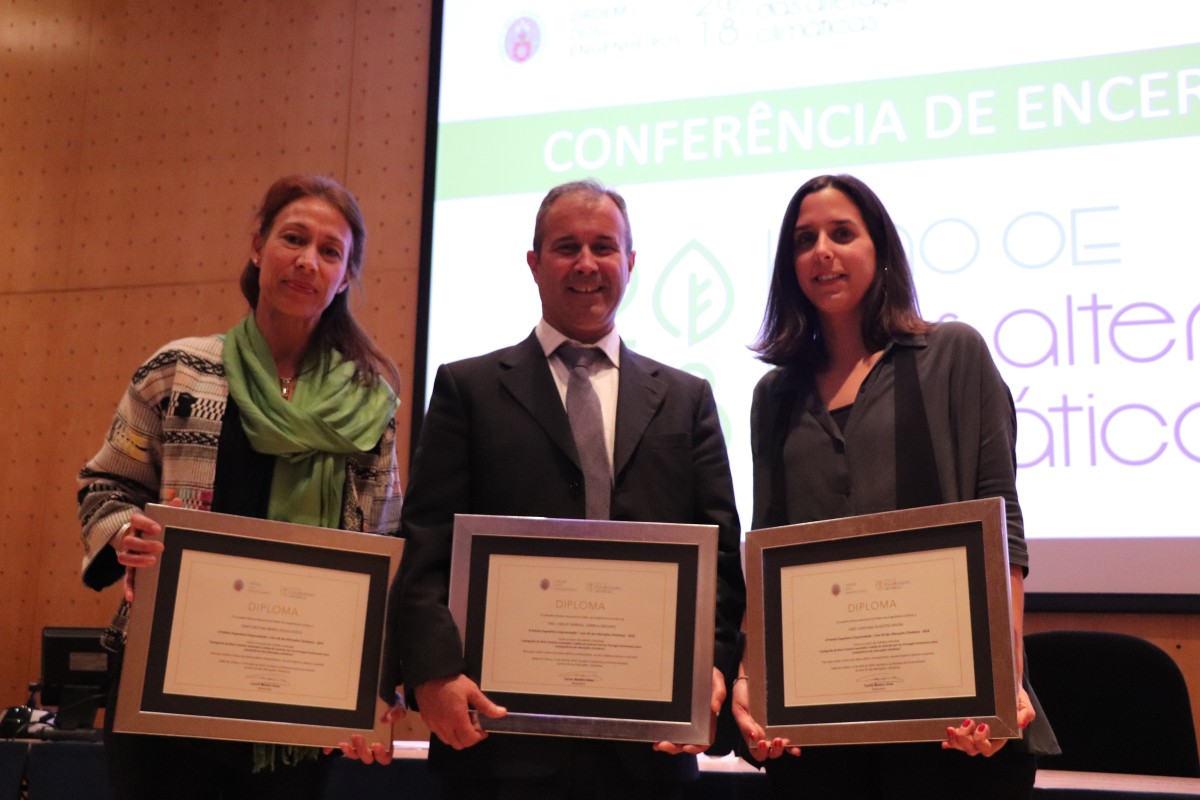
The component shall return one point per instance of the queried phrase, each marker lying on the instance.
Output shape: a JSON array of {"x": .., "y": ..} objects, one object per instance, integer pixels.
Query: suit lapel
[
  {"x": 639, "y": 395},
  {"x": 525, "y": 374}
]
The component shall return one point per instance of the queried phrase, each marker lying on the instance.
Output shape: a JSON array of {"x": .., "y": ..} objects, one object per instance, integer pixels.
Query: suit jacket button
[{"x": 574, "y": 490}]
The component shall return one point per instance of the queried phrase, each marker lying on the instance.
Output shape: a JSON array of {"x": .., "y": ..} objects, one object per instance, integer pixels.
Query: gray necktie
[{"x": 587, "y": 426}]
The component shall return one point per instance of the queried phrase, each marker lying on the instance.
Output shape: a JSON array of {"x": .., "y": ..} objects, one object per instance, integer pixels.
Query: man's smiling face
[{"x": 582, "y": 267}]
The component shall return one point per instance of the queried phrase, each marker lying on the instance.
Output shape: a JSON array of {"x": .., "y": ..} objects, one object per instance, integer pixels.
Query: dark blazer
[
  {"x": 806, "y": 468},
  {"x": 496, "y": 440}
]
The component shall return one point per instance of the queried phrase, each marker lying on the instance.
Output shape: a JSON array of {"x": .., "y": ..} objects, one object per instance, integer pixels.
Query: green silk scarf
[{"x": 329, "y": 417}]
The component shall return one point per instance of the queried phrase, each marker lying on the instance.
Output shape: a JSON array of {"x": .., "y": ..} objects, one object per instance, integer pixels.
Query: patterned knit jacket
[{"x": 163, "y": 445}]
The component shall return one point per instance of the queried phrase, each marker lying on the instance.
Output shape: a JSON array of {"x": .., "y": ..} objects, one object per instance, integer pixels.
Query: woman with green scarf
[{"x": 288, "y": 416}]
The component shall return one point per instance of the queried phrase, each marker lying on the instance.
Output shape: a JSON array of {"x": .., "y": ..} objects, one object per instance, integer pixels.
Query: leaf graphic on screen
[{"x": 693, "y": 294}]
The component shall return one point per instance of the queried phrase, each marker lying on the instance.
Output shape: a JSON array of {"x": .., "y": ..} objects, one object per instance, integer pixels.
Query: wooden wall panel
[
  {"x": 43, "y": 81},
  {"x": 385, "y": 165},
  {"x": 136, "y": 140}
]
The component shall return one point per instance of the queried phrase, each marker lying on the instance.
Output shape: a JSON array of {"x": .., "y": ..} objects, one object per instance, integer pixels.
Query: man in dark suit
[{"x": 497, "y": 440}]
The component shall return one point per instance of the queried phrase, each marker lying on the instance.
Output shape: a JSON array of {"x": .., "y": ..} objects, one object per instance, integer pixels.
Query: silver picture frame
[
  {"x": 507, "y": 574},
  {"x": 256, "y": 630},
  {"x": 853, "y": 625}
]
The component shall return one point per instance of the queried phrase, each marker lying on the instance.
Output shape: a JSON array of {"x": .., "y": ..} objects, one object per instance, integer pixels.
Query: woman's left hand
[
  {"x": 375, "y": 752},
  {"x": 972, "y": 738}
]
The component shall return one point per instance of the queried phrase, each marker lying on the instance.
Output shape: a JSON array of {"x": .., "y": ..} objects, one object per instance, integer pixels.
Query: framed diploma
[
  {"x": 254, "y": 630},
  {"x": 882, "y": 628},
  {"x": 588, "y": 628}
]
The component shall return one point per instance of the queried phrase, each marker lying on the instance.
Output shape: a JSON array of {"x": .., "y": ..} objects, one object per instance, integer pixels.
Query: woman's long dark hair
[
  {"x": 337, "y": 328},
  {"x": 791, "y": 329}
]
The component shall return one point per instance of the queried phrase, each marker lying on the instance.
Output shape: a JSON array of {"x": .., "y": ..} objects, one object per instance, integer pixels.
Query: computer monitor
[{"x": 75, "y": 674}]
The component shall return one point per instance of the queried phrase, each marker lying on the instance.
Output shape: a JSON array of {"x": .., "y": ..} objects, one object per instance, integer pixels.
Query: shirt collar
[{"x": 550, "y": 338}]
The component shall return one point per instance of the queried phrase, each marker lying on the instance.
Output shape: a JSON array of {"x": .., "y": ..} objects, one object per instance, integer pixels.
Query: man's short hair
[{"x": 589, "y": 187}]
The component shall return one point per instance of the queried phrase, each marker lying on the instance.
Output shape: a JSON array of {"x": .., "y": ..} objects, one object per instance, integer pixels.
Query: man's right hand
[{"x": 449, "y": 705}]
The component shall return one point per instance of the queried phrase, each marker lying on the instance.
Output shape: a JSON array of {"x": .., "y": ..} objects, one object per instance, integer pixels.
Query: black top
[{"x": 242, "y": 484}]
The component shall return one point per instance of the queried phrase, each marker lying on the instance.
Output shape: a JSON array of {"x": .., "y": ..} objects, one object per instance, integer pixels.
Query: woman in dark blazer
[{"x": 852, "y": 355}]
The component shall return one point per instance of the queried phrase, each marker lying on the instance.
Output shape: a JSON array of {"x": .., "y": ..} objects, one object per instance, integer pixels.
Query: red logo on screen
[
  {"x": 522, "y": 40},
  {"x": 836, "y": 590}
]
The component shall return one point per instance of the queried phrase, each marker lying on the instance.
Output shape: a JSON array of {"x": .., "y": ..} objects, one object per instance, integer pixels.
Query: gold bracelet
[{"x": 740, "y": 678}]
